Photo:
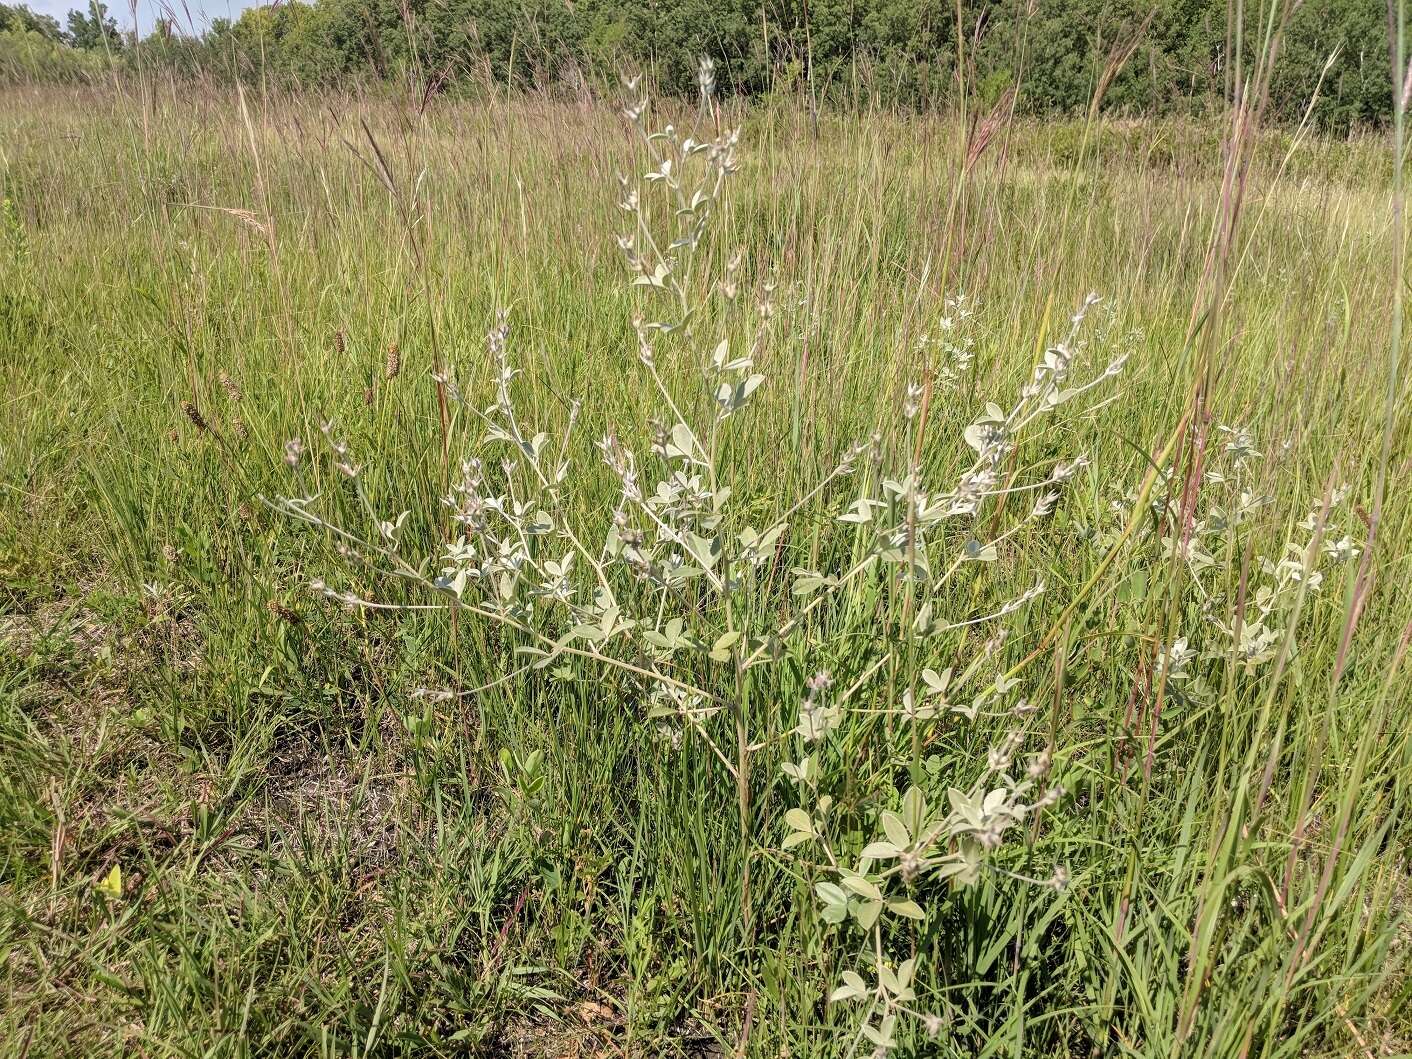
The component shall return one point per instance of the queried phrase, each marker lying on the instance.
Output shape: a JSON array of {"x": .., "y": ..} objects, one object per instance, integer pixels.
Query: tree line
[{"x": 1150, "y": 57}]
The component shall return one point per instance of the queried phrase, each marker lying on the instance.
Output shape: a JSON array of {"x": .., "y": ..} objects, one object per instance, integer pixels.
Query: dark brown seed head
[
  {"x": 339, "y": 343},
  {"x": 194, "y": 414},
  {"x": 239, "y": 429},
  {"x": 283, "y": 613},
  {"x": 368, "y": 396},
  {"x": 394, "y": 361}
]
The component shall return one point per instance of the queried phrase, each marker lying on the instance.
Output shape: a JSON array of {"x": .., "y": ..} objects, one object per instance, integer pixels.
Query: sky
[{"x": 192, "y": 14}]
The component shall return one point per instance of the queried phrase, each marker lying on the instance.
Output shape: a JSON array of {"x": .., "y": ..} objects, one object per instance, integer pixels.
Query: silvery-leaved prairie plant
[{"x": 816, "y": 646}]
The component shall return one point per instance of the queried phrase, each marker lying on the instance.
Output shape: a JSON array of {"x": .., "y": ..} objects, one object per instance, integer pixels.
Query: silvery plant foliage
[{"x": 678, "y": 587}]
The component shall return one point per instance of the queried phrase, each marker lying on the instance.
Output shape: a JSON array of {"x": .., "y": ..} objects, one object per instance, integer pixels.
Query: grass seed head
[
  {"x": 230, "y": 386},
  {"x": 194, "y": 414},
  {"x": 283, "y": 613}
]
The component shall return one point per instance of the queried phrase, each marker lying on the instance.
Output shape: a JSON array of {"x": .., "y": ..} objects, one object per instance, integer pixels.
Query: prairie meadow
[{"x": 546, "y": 576}]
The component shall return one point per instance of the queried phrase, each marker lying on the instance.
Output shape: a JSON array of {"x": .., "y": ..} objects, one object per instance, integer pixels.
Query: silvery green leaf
[
  {"x": 666, "y": 327},
  {"x": 972, "y": 857},
  {"x": 974, "y": 549},
  {"x": 923, "y": 624},
  {"x": 882, "y": 1034},
  {"x": 964, "y": 807},
  {"x": 905, "y": 971},
  {"x": 867, "y": 912},
  {"x": 914, "y": 810},
  {"x": 956, "y": 868},
  {"x": 896, "y": 830},
  {"x": 733, "y": 397},
  {"x": 835, "y": 908},
  {"x": 843, "y": 992},
  {"x": 682, "y": 444},
  {"x": 453, "y": 583},
  {"x": 853, "y": 987},
  {"x": 807, "y": 582},
  {"x": 887, "y": 978},
  {"x": 861, "y": 511},
  {"x": 830, "y": 894},
  {"x": 544, "y": 657},
  {"x": 880, "y": 851},
  {"x": 937, "y": 682},
  {"x": 799, "y": 820},
  {"x": 770, "y": 647},
  {"x": 721, "y": 649},
  {"x": 657, "y": 280},
  {"x": 854, "y": 980},
  {"x": 862, "y": 887},
  {"x": 761, "y": 542},
  {"x": 906, "y": 908},
  {"x": 803, "y": 771},
  {"x": 704, "y": 551}
]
